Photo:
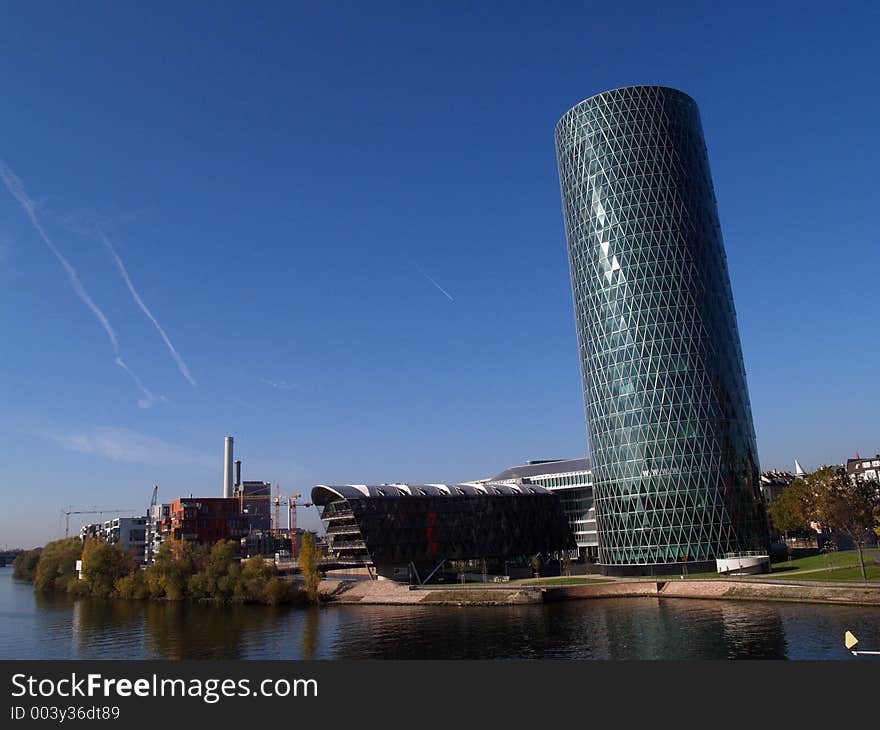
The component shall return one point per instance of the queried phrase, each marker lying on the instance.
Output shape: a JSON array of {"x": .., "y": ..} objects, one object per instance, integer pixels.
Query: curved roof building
[
  {"x": 669, "y": 423},
  {"x": 423, "y": 525}
]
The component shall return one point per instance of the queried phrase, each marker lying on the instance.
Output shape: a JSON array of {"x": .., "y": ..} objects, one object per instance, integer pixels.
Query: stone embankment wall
[
  {"x": 371, "y": 592},
  {"x": 775, "y": 591},
  {"x": 757, "y": 590},
  {"x": 615, "y": 589}
]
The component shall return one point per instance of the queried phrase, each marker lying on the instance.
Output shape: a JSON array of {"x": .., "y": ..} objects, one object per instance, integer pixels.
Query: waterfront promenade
[{"x": 750, "y": 588}]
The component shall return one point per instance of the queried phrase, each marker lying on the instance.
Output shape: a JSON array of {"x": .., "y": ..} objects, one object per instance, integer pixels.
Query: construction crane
[
  {"x": 291, "y": 523},
  {"x": 292, "y": 504},
  {"x": 94, "y": 511},
  {"x": 276, "y": 503}
]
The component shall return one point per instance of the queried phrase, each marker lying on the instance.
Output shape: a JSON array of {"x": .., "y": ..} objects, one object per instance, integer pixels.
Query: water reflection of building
[{"x": 752, "y": 630}]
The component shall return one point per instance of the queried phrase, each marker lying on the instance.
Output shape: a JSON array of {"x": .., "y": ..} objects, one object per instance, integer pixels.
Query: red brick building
[{"x": 207, "y": 519}]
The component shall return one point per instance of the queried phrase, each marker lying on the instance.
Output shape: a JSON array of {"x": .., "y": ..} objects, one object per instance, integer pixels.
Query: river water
[{"x": 34, "y": 626}]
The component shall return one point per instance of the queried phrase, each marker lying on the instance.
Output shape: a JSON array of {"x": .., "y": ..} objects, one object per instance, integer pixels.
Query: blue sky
[{"x": 347, "y": 224}]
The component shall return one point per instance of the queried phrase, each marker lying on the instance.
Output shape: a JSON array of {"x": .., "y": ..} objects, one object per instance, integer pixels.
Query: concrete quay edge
[{"x": 375, "y": 593}]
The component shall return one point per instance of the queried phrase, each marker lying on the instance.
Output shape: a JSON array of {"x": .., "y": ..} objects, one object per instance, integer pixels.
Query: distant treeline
[
  {"x": 181, "y": 571},
  {"x": 25, "y": 564}
]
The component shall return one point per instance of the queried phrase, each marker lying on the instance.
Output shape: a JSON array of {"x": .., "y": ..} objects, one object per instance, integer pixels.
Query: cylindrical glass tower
[{"x": 669, "y": 422}]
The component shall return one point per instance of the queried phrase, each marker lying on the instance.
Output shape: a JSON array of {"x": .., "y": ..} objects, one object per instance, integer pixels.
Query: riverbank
[
  {"x": 53, "y": 626},
  {"x": 372, "y": 593}
]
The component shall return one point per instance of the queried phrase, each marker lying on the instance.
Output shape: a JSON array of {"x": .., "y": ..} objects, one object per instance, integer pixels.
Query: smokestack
[
  {"x": 227, "y": 469},
  {"x": 238, "y": 472}
]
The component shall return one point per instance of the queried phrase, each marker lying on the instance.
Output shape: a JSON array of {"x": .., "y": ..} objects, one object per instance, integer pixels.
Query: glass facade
[
  {"x": 572, "y": 480},
  {"x": 424, "y": 524},
  {"x": 675, "y": 464},
  {"x": 579, "y": 509}
]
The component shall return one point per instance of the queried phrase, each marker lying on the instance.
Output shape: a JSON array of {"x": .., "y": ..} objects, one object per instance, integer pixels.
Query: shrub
[
  {"x": 56, "y": 567},
  {"x": 24, "y": 567},
  {"x": 277, "y": 591},
  {"x": 77, "y": 588},
  {"x": 133, "y": 585},
  {"x": 256, "y": 574},
  {"x": 181, "y": 570},
  {"x": 169, "y": 575},
  {"x": 102, "y": 566}
]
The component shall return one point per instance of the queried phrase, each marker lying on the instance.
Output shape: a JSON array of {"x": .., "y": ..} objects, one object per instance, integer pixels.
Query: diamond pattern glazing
[{"x": 668, "y": 416}]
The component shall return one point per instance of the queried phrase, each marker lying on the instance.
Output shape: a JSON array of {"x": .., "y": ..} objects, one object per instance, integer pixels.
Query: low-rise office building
[
  {"x": 128, "y": 533},
  {"x": 271, "y": 543},
  {"x": 256, "y": 503},
  {"x": 411, "y": 531},
  {"x": 867, "y": 469},
  {"x": 158, "y": 529},
  {"x": 572, "y": 480},
  {"x": 205, "y": 520}
]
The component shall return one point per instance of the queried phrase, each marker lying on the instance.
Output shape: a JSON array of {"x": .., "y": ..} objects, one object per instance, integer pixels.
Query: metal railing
[{"x": 344, "y": 530}]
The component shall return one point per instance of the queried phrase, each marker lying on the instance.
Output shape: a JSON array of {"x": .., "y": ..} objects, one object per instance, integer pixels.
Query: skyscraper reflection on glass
[{"x": 668, "y": 416}]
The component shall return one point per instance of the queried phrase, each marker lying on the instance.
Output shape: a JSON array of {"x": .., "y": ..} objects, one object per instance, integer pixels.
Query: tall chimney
[
  {"x": 238, "y": 472},
  {"x": 227, "y": 469}
]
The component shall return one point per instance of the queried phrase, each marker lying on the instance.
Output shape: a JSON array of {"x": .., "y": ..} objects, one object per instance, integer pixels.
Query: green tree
[
  {"x": 219, "y": 575},
  {"x": 309, "y": 557},
  {"x": 565, "y": 564},
  {"x": 256, "y": 573},
  {"x": 56, "y": 568},
  {"x": 102, "y": 565},
  {"x": 24, "y": 567},
  {"x": 792, "y": 510},
  {"x": 133, "y": 585},
  {"x": 176, "y": 562},
  {"x": 846, "y": 504}
]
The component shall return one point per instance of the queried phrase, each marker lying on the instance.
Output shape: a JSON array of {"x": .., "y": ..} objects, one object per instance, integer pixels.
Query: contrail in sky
[
  {"x": 424, "y": 273},
  {"x": 146, "y": 310},
  {"x": 16, "y": 189},
  {"x": 148, "y": 399}
]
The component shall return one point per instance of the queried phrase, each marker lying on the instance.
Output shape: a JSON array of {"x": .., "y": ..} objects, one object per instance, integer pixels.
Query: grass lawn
[
  {"x": 842, "y": 574},
  {"x": 836, "y": 561},
  {"x": 527, "y": 583},
  {"x": 566, "y": 581},
  {"x": 695, "y": 576},
  {"x": 844, "y": 567}
]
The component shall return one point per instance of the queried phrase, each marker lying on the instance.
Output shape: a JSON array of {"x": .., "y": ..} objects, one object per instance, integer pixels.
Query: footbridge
[{"x": 325, "y": 565}]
